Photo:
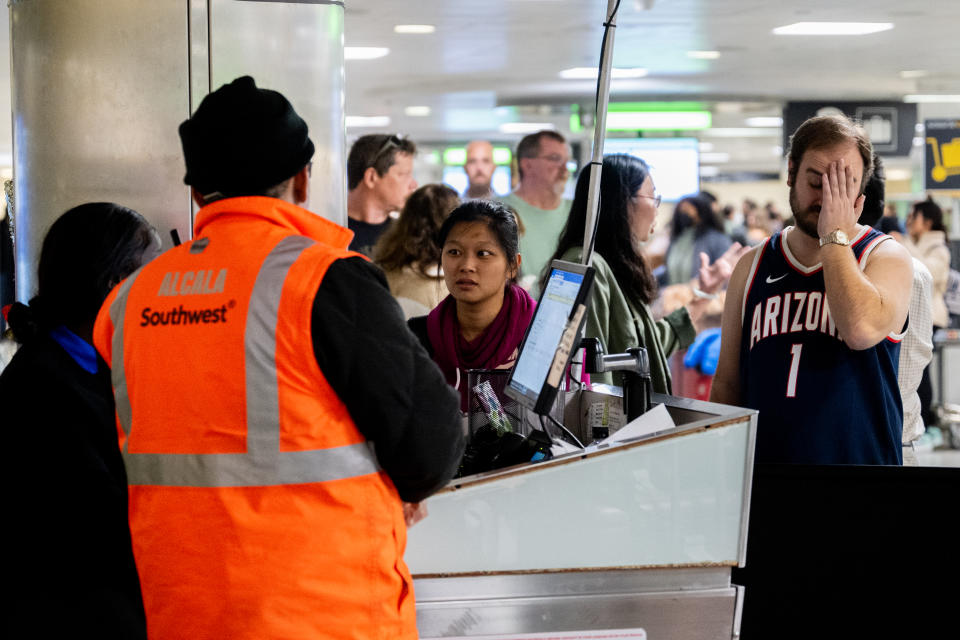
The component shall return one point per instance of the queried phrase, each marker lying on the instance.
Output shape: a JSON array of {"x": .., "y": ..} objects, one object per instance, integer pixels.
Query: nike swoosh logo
[{"x": 772, "y": 280}]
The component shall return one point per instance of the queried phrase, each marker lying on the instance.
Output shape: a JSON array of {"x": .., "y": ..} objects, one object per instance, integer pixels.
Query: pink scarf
[{"x": 491, "y": 349}]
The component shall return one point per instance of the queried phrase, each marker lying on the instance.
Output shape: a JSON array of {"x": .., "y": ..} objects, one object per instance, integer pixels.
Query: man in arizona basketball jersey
[{"x": 814, "y": 315}]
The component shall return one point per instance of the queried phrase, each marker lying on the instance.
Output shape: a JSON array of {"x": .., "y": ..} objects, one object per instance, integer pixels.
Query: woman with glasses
[
  {"x": 695, "y": 229},
  {"x": 619, "y": 311}
]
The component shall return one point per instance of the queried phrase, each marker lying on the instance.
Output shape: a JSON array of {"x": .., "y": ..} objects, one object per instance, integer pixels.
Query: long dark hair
[
  {"x": 412, "y": 239},
  {"x": 87, "y": 251},
  {"x": 620, "y": 179},
  {"x": 498, "y": 217},
  {"x": 931, "y": 211},
  {"x": 707, "y": 218}
]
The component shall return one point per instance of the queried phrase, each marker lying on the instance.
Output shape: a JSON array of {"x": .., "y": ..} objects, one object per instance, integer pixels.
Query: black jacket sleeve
[{"x": 394, "y": 392}]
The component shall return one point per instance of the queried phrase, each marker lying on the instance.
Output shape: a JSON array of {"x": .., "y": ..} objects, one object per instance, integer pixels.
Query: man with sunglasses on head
[
  {"x": 542, "y": 159},
  {"x": 277, "y": 420},
  {"x": 379, "y": 180}
]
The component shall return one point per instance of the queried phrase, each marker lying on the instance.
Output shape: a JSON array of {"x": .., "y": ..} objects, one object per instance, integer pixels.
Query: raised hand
[
  {"x": 840, "y": 204},
  {"x": 712, "y": 277}
]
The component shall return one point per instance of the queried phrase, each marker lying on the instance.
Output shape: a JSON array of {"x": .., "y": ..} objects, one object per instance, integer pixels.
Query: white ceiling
[{"x": 491, "y": 53}]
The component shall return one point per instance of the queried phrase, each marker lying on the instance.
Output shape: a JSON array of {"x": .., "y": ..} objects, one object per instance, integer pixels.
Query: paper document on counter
[{"x": 656, "y": 419}]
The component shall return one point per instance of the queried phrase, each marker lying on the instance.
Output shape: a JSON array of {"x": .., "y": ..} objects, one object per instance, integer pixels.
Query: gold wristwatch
[{"x": 836, "y": 236}]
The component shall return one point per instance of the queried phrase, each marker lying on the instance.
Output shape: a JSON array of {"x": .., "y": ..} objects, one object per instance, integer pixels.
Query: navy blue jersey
[{"x": 820, "y": 401}]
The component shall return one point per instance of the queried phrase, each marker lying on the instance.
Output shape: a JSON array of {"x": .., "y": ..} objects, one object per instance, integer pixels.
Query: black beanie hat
[{"x": 243, "y": 140}]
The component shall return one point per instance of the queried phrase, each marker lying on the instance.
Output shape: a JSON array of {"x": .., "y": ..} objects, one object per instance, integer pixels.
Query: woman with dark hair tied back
[
  {"x": 619, "y": 312},
  {"x": 694, "y": 230},
  {"x": 71, "y": 566},
  {"x": 409, "y": 254},
  {"x": 481, "y": 324}
]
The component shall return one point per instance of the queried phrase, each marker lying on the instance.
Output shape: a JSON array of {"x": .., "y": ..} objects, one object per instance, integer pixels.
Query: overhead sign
[
  {"x": 941, "y": 166},
  {"x": 890, "y": 125}
]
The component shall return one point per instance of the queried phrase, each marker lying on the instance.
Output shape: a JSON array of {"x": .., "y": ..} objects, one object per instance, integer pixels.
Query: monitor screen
[
  {"x": 547, "y": 346},
  {"x": 674, "y": 162}
]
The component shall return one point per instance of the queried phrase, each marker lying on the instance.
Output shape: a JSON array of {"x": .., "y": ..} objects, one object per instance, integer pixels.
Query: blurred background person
[
  {"x": 479, "y": 168},
  {"x": 481, "y": 324},
  {"x": 619, "y": 311},
  {"x": 73, "y": 563},
  {"x": 379, "y": 180},
  {"x": 916, "y": 349},
  {"x": 538, "y": 200},
  {"x": 409, "y": 252},
  {"x": 926, "y": 240},
  {"x": 694, "y": 229},
  {"x": 890, "y": 224}
]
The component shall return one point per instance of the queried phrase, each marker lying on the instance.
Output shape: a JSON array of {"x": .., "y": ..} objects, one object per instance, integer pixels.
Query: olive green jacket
[{"x": 621, "y": 323}]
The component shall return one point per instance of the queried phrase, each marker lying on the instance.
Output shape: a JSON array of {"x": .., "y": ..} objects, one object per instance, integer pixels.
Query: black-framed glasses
[{"x": 657, "y": 199}]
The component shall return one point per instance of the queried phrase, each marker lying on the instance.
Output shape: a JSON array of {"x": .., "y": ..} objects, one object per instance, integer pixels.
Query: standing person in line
[
  {"x": 814, "y": 316},
  {"x": 623, "y": 287},
  {"x": 72, "y": 572},
  {"x": 481, "y": 324},
  {"x": 542, "y": 159},
  {"x": 479, "y": 168},
  {"x": 409, "y": 252},
  {"x": 695, "y": 229},
  {"x": 274, "y": 411},
  {"x": 379, "y": 180},
  {"x": 926, "y": 240},
  {"x": 916, "y": 350}
]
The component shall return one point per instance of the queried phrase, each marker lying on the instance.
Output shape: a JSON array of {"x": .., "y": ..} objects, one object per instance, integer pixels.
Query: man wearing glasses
[
  {"x": 542, "y": 159},
  {"x": 379, "y": 179}
]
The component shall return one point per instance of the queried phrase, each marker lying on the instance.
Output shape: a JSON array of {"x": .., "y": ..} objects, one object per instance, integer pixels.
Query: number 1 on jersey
[{"x": 794, "y": 368}]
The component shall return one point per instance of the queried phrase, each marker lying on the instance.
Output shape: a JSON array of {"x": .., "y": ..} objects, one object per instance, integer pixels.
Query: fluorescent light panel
[
  {"x": 367, "y": 121},
  {"x": 916, "y": 97},
  {"x": 590, "y": 73},
  {"x": 764, "y": 121},
  {"x": 703, "y": 55},
  {"x": 364, "y": 53},
  {"x": 414, "y": 28},
  {"x": 832, "y": 28},
  {"x": 417, "y": 111}
]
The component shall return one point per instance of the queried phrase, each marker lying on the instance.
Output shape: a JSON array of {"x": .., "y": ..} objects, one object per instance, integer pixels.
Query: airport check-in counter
[{"x": 638, "y": 538}]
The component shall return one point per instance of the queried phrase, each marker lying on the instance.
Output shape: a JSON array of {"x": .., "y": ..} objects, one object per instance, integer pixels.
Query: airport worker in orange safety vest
[{"x": 276, "y": 417}]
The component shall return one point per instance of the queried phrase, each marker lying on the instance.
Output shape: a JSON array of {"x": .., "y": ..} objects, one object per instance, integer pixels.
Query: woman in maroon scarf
[{"x": 481, "y": 323}]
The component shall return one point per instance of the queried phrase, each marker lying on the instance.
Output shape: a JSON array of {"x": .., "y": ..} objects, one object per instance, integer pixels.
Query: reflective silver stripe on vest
[
  {"x": 117, "y": 372},
  {"x": 263, "y": 464}
]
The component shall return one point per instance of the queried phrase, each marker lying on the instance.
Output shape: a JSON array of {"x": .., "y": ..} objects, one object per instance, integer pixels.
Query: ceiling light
[
  {"x": 898, "y": 174},
  {"x": 367, "y": 121},
  {"x": 916, "y": 97},
  {"x": 658, "y": 120},
  {"x": 764, "y": 121},
  {"x": 525, "y": 127},
  {"x": 709, "y": 172},
  {"x": 590, "y": 73},
  {"x": 832, "y": 28},
  {"x": 414, "y": 28},
  {"x": 715, "y": 158},
  {"x": 364, "y": 53},
  {"x": 417, "y": 111},
  {"x": 703, "y": 55},
  {"x": 914, "y": 73}
]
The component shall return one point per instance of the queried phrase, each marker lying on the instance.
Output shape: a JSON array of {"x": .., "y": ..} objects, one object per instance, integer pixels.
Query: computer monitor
[
  {"x": 551, "y": 337},
  {"x": 674, "y": 162}
]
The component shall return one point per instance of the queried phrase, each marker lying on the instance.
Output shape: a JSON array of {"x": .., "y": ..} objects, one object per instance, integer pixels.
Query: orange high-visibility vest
[{"x": 257, "y": 508}]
